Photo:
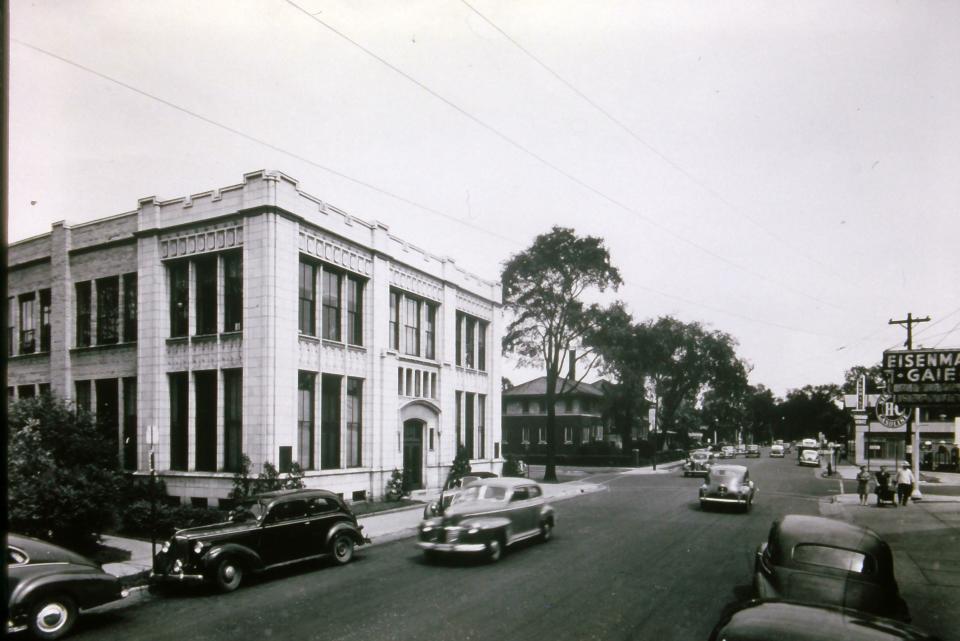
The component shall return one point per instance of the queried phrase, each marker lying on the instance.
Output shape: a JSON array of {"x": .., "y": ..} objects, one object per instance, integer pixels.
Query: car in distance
[
  {"x": 487, "y": 517},
  {"x": 727, "y": 485},
  {"x": 48, "y": 585},
  {"x": 451, "y": 488},
  {"x": 813, "y": 559},
  {"x": 741, "y": 450},
  {"x": 753, "y": 450},
  {"x": 776, "y": 451},
  {"x": 728, "y": 451},
  {"x": 698, "y": 463},
  {"x": 264, "y": 532},
  {"x": 809, "y": 457},
  {"x": 787, "y": 621}
]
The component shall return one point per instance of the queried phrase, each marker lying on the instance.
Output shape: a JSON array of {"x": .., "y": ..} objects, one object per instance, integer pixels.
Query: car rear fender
[
  {"x": 248, "y": 557},
  {"x": 356, "y": 532},
  {"x": 86, "y": 589}
]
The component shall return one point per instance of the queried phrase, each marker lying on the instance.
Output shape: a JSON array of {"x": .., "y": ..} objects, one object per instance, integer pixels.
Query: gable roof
[{"x": 538, "y": 387}]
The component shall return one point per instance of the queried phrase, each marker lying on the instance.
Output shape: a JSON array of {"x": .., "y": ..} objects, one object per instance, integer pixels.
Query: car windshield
[
  {"x": 248, "y": 509},
  {"x": 481, "y": 493},
  {"x": 810, "y": 454},
  {"x": 699, "y": 456}
]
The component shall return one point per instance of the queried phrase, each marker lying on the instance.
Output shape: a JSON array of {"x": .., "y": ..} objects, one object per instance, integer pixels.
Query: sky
[{"x": 784, "y": 172}]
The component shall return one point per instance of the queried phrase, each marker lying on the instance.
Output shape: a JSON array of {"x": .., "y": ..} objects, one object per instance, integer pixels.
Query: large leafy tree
[
  {"x": 543, "y": 290},
  {"x": 874, "y": 375},
  {"x": 813, "y": 409},
  {"x": 64, "y": 478}
]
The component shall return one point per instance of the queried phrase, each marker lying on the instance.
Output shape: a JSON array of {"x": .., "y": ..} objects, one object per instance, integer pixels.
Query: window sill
[
  {"x": 14, "y": 357},
  {"x": 419, "y": 360},
  {"x": 203, "y": 338},
  {"x": 472, "y": 370},
  {"x": 94, "y": 348},
  {"x": 339, "y": 470}
]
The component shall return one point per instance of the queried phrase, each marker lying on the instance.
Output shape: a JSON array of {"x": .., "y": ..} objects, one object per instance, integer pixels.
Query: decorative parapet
[
  {"x": 415, "y": 283},
  {"x": 337, "y": 253},
  {"x": 209, "y": 239},
  {"x": 474, "y": 305}
]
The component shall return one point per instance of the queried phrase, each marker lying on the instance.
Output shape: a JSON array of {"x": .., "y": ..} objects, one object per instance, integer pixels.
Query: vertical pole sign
[
  {"x": 652, "y": 418},
  {"x": 152, "y": 441}
]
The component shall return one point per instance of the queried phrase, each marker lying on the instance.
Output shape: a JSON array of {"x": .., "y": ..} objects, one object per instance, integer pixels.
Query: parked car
[
  {"x": 269, "y": 530},
  {"x": 698, "y": 464},
  {"x": 809, "y": 457},
  {"x": 487, "y": 517},
  {"x": 451, "y": 488},
  {"x": 753, "y": 450},
  {"x": 776, "y": 451},
  {"x": 48, "y": 585},
  {"x": 741, "y": 450},
  {"x": 728, "y": 485},
  {"x": 818, "y": 560},
  {"x": 786, "y": 621}
]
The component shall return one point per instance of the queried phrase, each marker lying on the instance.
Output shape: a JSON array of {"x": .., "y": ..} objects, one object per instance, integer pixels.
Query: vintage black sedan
[
  {"x": 785, "y": 621},
  {"x": 817, "y": 560},
  {"x": 488, "y": 516},
  {"x": 48, "y": 586},
  {"x": 698, "y": 464},
  {"x": 728, "y": 485},
  {"x": 267, "y": 531}
]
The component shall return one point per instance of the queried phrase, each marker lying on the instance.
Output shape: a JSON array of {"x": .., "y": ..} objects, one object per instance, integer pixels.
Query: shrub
[
  {"x": 137, "y": 518},
  {"x": 64, "y": 479},
  {"x": 269, "y": 480},
  {"x": 460, "y": 467},
  {"x": 395, "y": 486}
]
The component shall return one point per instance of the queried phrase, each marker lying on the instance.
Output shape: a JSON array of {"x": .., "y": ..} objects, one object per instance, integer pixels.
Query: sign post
[
  {"x": 652, "y": 418},
  {"x": 152, "y": 438}
]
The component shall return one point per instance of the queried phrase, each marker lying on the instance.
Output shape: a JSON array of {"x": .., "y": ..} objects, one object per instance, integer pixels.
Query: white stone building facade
[{"x": 258, "y": 320}]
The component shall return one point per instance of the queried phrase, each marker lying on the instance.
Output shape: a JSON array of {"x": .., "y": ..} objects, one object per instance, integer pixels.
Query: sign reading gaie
[{"x": 924, "y": 377}]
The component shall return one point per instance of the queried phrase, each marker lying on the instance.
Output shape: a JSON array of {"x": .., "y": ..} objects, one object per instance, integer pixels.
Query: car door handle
[{"x": 307, "y": 523}]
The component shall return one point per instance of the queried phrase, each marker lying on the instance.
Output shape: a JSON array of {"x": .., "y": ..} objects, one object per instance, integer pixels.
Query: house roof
[{"x": 538, "y": 387}]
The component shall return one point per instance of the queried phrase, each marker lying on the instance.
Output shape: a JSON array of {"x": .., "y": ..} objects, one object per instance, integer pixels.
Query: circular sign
[{"x": 889, "y": 413}]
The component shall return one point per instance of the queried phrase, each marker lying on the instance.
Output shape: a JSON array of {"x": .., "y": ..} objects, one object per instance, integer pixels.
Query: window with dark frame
[
  {"x": 354, "y": 311},
  {"x": 308, "y": 297},
  {"x": 306, "y": 432},
  {"x": 82, "y": 395},
  {"x": 83, "y": 292},
  {"x": 394, "y": 320},
  {"x": 354, "y": 446},
  {"x": 108, "y": 411},
  {"x": 11, "y": 326},
  {"x": 430, "y": 333},
  {"x": 130, "y": 424},
  {"x": 482, "y": 346},
  {"x": 459, "y": 420},
  {"x": 108, "y": 310},
  {"x": 481, "y": 426},
  {"x": 233, "y": 292},
  {"x": 412, "y": 326},
  {"x": 470, "y": 419},
  {"x": 179, "y": 417},
  {"x": 331, "y": 304},
  {"x": 205, "y": 269},
  {"x": 232, "y": 419},
  {"x": 130, "y": 307},
  {"x": 205, "y": 424},
  {"x": 28, "y": 334},
  {"x": 459, "y": 339},
  {"x": 25, "y": 391},
  {"x": 45, "y": 311},
  {"x": 471, "y": 331},
  {"x": 178, "y": 273},
  {"x": 330, "y": 422}
]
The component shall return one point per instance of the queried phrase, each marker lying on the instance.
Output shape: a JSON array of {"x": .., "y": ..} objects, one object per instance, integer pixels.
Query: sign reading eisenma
[{"x": 924, "y": 377}]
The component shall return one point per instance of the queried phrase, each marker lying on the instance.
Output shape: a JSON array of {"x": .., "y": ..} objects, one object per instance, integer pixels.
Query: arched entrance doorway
[{"x": 413, "y": 454}]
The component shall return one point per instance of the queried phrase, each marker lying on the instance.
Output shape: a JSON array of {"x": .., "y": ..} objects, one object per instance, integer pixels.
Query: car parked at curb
[
  {"x": 267, "y": 531},
  {"x": 49, "y": 585},
  {"x": 698, "y": 463},
  {"x": 818, "y": 560},
  {"x": 487, "y": 517},
  {"x": 787, "y": 621},
  {"x": 727, "y": 485}
]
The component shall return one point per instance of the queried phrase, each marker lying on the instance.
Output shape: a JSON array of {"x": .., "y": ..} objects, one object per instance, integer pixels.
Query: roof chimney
[{"x": 572, "y": 375}]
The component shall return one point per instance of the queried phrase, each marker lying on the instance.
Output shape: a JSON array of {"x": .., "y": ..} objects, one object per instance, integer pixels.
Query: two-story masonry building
[{"x": 258, "y": 320}]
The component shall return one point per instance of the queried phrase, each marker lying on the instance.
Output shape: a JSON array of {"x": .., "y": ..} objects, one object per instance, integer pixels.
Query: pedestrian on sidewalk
[
  {"x": 863, "y": 484},
  {"x": 904, "y": 484}
]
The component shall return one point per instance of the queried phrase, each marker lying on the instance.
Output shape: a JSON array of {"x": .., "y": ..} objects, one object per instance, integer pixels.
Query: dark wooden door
[{"x": 412, "y": 455}]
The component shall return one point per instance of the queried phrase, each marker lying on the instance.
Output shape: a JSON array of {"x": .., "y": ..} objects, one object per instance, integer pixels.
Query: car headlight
[
  {"x": 473, "y": 530},
  {"x": 426, "y": 528},
  {"x": 166, "y": 547},
  {"x": 198, "y": 547}
]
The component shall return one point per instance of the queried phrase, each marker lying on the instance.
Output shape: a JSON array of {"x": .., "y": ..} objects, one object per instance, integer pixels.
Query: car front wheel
[
  {"x": 52, "y": 617},
  {"x": 228, "y": 575},
  {"x": 494, "y": 551},
  {"x": 341, "y": 549},
  {"x": 546, "y": 531}
]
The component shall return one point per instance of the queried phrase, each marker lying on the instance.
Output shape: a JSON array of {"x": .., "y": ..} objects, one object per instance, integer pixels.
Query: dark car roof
[
  {"x": 295, "y": 494},
  {"x": 784, "y": 621},
  {"x": 798, "y": 528},
  {"x": 737, "y": 469},
  {"x": 42, "y": 552}
]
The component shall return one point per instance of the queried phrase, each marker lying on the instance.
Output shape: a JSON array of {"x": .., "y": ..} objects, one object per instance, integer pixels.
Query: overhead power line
[
  {"x": 264, "y": 143},
  {"x": 656, "y": 152},
  {"x": 554, "y": 167}
]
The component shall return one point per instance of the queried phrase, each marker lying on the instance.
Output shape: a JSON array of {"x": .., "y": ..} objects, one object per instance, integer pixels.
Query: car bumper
[
  {"x": 432, "y": 546},
  {"x": 724, "y": 499},
  {"x": 772, "y": 455},
  {"x": 810, "y": 463},
  {"x": 175, "y": 577}
]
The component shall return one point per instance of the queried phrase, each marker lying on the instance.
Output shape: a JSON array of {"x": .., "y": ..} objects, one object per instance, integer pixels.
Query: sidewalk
[
  {"x": 380, "y": 527},
  {"x": 941, "y": 478},
  {"x": 923, "y": 537}
]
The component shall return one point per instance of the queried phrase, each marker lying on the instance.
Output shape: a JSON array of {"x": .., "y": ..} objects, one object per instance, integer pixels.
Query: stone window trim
[
  {"x": 471, "y": 342},
  {"x": 400, "y": 324}
]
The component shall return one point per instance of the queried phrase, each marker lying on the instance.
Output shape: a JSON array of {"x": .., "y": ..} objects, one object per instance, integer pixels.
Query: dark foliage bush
[{"x": 136, "y": 518}]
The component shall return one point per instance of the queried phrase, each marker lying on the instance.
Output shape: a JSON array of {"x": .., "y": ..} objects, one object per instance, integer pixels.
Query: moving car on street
[
  {"x": 727, "y": 485},
  {"x": 741, "y": 450},
  {"x": 787, "y": 621},
  {"x": 817, "y": 560},
  {"x": 267, "y": 531},
  {"x": 487, "y": 517},
  {"x": 48, "y": 586},
  {"x": 451, "y": 489},
  {"x": 776, "y": 451},
  {"x": 810, "y": 458},
  {"x": 728, "y": 451},
  {"x": 753, "y": 451},
  {"x": 698, "y": 464}
]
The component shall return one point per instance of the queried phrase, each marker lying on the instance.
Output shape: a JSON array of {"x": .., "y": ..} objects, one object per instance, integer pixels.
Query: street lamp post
[{"x": 152, "y": 443}]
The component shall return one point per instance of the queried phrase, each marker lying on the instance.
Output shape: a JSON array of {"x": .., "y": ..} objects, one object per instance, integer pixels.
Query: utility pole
[{"x": 913, "y": 439}]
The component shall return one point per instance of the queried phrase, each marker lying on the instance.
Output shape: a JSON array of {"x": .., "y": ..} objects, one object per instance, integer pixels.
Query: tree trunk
[{"x": 550, "y": 473}]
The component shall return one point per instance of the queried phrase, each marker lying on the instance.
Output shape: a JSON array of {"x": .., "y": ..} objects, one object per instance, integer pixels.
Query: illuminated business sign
[{"x": 924, "y": 376}]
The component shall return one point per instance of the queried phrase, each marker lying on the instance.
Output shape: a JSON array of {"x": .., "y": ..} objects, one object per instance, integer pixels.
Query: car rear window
[{"x": 837, "y": 558}]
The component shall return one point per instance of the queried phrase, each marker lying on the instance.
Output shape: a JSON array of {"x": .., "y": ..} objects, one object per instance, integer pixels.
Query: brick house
[{"x": 257, "y": 319}]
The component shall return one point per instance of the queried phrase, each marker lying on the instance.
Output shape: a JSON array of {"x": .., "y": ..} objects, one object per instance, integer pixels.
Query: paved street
[{"x": 639, "y": 560}]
